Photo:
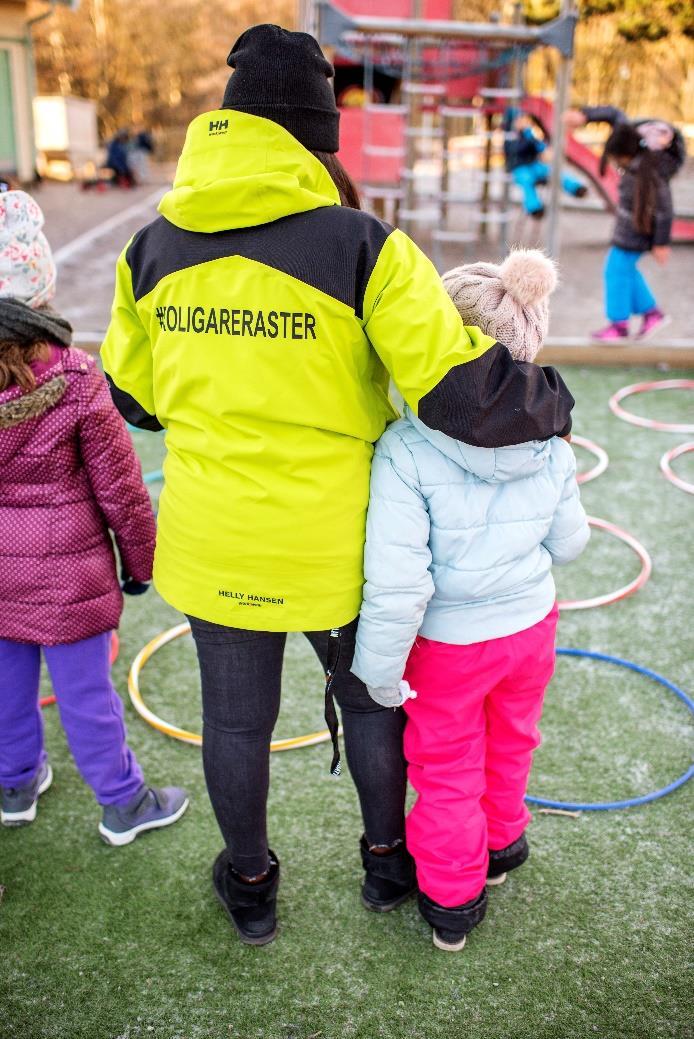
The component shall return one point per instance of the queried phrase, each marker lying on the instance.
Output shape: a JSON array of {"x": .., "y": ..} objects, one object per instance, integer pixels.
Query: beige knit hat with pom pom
[{"x": 509, "y": 302}]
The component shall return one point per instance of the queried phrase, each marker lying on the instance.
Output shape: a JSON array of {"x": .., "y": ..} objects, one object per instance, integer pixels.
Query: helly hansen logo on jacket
[
  {"x": 272, "y": 324},
  {"x": 218, "y": 126}
]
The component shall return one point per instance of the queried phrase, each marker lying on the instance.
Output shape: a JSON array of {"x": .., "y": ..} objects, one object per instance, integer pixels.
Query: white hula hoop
[
  {"x": 666, "y": 469},
  {"x": 602, "y": 459},
  {"x": 627, "y": 589},
  {"x": 649, "y": 387}
]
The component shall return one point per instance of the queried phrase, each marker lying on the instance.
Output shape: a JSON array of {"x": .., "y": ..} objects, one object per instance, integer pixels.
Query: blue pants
[
  {"x": 527, "y": 177},
  {"x": 91, "y": 713},
  {"x": 626, "y": 290}
]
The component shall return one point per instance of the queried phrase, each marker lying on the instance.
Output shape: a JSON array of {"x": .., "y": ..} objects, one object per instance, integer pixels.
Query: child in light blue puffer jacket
[{"x": 459, "y": 617}]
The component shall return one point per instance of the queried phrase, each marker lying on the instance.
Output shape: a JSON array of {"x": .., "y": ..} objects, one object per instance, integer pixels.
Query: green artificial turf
[{"x": 590, "y": 938}]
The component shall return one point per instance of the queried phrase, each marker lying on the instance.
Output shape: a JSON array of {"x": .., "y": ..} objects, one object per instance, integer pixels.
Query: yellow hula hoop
[{"x": 176, "y": 733}]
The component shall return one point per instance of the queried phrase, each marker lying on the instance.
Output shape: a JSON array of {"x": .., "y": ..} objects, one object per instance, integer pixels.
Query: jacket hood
[
  {"x": 239, "y": 170},
  {"x": 491, "y": 464}
]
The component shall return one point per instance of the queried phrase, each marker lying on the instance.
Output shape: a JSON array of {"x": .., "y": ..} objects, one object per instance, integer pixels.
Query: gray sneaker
[
  {"x": 19, "y": 802},
  {"x": 150, "y": 808}
]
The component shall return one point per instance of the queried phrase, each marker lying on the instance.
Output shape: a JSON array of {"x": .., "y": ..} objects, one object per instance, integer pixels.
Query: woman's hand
[
  {"x": 574, "y": 118},
  {"x": 661, "y": 254}
]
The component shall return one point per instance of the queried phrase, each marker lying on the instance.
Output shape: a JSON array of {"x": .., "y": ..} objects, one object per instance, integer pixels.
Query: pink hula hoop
[
  {"x": 602, "y": 459},
  {"x": 648, "y": 387},
  {"x": 627, "y": 589},
  {"x": 667, "y": 472}
]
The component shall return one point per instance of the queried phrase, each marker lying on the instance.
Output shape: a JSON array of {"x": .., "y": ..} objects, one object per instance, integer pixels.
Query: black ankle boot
[
  {"x": 503, "y": 861},
  {"x": 250, "y": 907},
  {"x": 452, "y": 926},
  {"x": 390, "y": 879}
]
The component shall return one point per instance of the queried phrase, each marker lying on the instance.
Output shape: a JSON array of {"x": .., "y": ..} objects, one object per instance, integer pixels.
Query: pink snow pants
[{"x": 469, "y": 742}]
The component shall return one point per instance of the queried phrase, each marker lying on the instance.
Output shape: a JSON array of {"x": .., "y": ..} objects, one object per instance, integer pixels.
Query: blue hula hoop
[
  {"x": 154, "y": 477},
  {"x": 631, "y": 802}
]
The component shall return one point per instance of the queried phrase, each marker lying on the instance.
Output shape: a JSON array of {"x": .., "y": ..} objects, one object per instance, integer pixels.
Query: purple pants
[{"x": 91, "y": 713}]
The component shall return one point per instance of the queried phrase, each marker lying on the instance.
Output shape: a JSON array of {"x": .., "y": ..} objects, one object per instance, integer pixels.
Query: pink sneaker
[
  {"x": 612, "y": 333},
  {"x": 652, "y": 321}
]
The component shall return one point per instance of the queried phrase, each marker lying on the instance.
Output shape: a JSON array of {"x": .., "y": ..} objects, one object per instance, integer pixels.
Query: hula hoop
[
  {"x": 46, "y": 701},
  {"x": 666, "y": 469},
  {"x": 295, "y": 743},
  {"x": 176, "y": 733},
  {"x": 648, "y": 387},
  {"x": 154, "y": 477},
  {"x": 628, "y": 589},
  {"x": 602, "y": 459},
  {"x": 630, "y": 802}
]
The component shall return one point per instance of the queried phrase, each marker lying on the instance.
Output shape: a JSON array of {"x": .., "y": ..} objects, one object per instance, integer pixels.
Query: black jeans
[{"x": 241, "y": 674}]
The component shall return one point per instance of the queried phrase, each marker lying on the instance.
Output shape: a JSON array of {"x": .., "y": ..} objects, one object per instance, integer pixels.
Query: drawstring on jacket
[{"x": 334, "y": 645}]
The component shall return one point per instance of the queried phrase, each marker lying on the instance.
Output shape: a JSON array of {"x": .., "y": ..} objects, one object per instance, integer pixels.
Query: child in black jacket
[{"x": 644, "y": 223}]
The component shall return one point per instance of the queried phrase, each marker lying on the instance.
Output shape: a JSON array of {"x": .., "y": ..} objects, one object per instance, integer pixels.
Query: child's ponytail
[
  {"x": 625, "y": 143},
  {"x": 646, "y": 192}
]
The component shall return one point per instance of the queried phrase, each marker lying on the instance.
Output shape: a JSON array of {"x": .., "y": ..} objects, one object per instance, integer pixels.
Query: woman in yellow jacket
[{"x": 258, "y": 321}]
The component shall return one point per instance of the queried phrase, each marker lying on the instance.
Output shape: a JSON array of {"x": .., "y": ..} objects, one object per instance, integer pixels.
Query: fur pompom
[{"x": 529, "y": 276}]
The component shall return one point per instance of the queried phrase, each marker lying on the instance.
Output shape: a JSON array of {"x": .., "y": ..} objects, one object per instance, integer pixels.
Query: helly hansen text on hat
[{"x": 284, "y": 76}]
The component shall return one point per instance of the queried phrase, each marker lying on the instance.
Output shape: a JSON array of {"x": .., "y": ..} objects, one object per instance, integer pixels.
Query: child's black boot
[
  {"x": 503, "y": 861},
  {"x": 251, "y": 906},
  {"x": 390, "y": 877},
  {"x": 452, "y": 926}
]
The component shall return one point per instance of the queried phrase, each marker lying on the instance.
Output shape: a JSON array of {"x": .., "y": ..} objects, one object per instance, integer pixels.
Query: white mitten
[
  {"x": 406, "y": 691},
  {"x": 387, "y": 696}
]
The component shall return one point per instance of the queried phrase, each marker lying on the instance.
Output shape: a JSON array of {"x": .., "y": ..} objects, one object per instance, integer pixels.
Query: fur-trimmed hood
[{"x": 33, "y": 404}]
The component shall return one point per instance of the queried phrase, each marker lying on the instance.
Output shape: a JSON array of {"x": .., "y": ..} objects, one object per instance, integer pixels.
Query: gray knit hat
[{"x": 509, "y": 301}]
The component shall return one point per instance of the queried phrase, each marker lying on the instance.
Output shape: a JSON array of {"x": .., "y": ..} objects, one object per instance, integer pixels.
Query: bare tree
[{"x": 143, "y": 61}]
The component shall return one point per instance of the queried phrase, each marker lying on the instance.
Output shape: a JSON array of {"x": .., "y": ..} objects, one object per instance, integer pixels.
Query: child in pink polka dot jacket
[{"x": 68, "y": 473}]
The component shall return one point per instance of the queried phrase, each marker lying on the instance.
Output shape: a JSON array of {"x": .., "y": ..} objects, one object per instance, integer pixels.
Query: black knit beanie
[{"x": 284, "y": 76}]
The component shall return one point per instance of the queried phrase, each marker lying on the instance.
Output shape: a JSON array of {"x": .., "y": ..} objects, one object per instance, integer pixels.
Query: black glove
[{"x": 132, "y": 587}]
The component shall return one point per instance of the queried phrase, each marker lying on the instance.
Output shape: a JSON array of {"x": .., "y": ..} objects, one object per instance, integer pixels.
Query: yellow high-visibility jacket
[{"x": 257, "y": 321}]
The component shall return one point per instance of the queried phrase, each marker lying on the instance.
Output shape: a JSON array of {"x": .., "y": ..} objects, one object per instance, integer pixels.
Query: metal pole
[
  {"x": 486, "y": 183},
  {"x": 564, "y": 74},
  {"x": 411, "y": 64},
  {"x": 440, "y": 29},
  {"x": 307, "y": 16},
  {"x": 368, "y": 84},
  {"x": 516, "y": 82}
]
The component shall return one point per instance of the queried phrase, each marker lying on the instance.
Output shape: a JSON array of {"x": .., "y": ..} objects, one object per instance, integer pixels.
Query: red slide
[{"x": 580, "y": 156}]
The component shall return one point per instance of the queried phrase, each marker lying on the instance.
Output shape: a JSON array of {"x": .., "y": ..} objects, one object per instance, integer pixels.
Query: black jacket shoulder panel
[
  {"x": 494, "y": 401},
  {"x": 333, "y": 249}
]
